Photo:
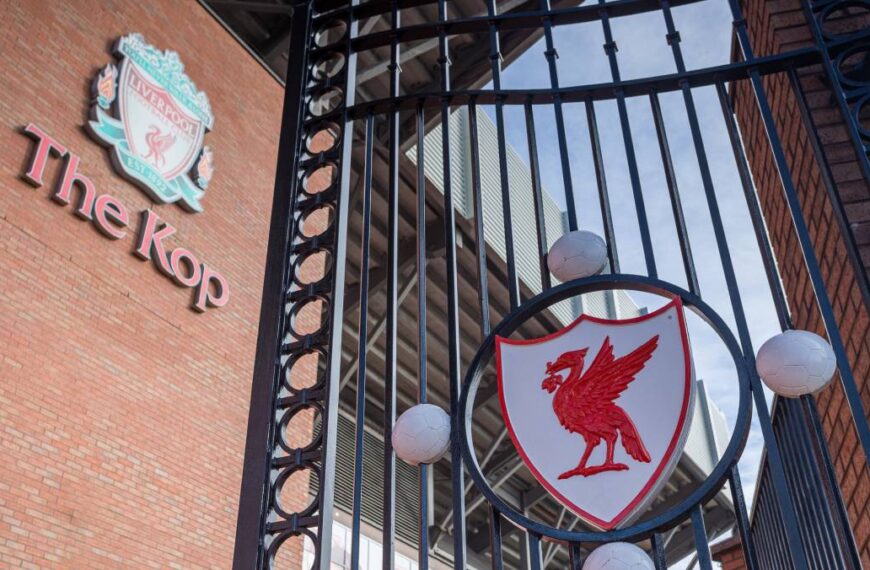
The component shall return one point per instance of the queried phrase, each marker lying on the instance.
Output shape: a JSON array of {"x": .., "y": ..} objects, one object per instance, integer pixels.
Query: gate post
[{"x": 309, "y": 218}]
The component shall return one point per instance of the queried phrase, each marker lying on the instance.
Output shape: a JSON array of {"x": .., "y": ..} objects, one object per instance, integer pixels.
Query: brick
[{"x": 112, "y": 391}]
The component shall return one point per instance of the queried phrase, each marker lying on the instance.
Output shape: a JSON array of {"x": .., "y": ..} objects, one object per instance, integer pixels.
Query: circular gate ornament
[
  {"x": 618, "y": 556},
  {"x": 576, "y": 255},
  {"x": 795, "y": 363},
  {"x": 604, "y": 448},
  {"x": 422, "y": 434}
]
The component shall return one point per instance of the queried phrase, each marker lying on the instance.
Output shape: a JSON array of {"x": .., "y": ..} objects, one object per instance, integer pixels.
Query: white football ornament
[
  {"x": 422, "y": 434},
  {"x": 577, "y": 254},
  {"x": 618, "y": 556},
  {"x": 794, "y": 363}
]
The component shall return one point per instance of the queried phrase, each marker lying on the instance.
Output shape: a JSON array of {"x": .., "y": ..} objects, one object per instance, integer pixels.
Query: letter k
[{"x": 151, "y": 238}]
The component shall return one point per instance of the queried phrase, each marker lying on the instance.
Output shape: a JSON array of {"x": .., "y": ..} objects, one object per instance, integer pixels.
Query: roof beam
[
  {"x": 407, "y": 255},
  {"x": 261, "y": 7},
  {"x": 376, "y": 332},
  {"x": 421, "y": 48}
]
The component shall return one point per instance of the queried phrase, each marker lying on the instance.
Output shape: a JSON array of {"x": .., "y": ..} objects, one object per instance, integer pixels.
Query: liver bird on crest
[
  {"x": 158, "y": 143},
  {"x": 585, "y": 403}
]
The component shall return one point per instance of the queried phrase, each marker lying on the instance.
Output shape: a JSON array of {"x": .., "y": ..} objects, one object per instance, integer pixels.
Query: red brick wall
[
  {"x": 122, "y": 411},
  {"x": 729, "y": 554},
  {"x": 776, "y": 26}
]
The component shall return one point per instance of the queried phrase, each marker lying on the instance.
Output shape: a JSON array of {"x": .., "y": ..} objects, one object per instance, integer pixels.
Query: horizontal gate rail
[
  {"x": 508, "y": 21},
  {"x": 598, "y": 92}
]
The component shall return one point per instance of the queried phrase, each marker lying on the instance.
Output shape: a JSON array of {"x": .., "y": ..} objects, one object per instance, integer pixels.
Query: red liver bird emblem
[
  {"x": 623, "y": 411},
  {"x": 158, "y": 143},
  {"x": 585, "y": 404}
]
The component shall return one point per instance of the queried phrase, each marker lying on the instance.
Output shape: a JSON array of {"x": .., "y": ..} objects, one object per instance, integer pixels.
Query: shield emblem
[
  {"x": 599, "y": 411},
  {"x": 158, "y": 128}
]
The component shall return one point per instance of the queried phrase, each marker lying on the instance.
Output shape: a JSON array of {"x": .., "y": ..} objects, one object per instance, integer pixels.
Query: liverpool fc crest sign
[
  {"x": 599, "y": 411},
  {"x": 154, "y": 120}
]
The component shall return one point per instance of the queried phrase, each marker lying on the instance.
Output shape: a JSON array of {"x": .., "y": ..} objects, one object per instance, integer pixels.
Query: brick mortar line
[{"x": 89, "y": 272}]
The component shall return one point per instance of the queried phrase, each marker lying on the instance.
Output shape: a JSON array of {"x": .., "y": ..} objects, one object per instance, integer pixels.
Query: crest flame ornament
[
  {"x": 154, "y": 120},
  {"x": 600, "y": 410},
  {"x": 105, "y": 86},
  {"x": 205, "y": 167}
]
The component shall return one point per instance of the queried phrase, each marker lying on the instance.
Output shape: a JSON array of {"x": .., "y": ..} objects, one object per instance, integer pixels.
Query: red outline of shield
[{"x": 675, "y": 446}]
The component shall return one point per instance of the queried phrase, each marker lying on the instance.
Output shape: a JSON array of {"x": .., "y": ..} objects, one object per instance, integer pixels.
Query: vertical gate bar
[
  {"x": 831, "y": 73},
  {"x": 831, "y": 188},
  {"x": 513, "y": 283},
  {"x": 658, "y": 547},
  {"x": 778, "y": 532},
  {"x": 758, "y": 224},
  {"x": 253, "y": 495},
  {"x": 770, "y": 527},
  {"x": 674, "y": 192},
  {"x": 842, "y": 545},
  {"x": 576, "y": 558},
  {"x": 705, "y": 561},
  {"x": 362, "y": 351},
  {"x": 329, "y": 423},
  {"x": 782, "y": 535},
  {"x": 422, "y": 380},
  {"x": 853, "y": 396},
  {"x": 757, "y": 516},
  {"x": 493, "y": 447},
  {"x": 778, "y": 541},
  {"x": 813, "y": 479},
  {"x": 457, "y": 475},
  {"x": 495, "y": 538},
  {"x": 761, "y": 527},
  {"x": 601, "y": 180},
  {"x": 551, "y": 54},
  {"x": 787, "y": 501},
  {"x": 830, "y": 547},
  {"x": 552, "y": 547},
  {"x": 421, "y": 256},
  {"x": 477, "y": 197},
  {"x": 535, "y": 168},
  {"x": 389, "y": 506},
  {"x": 795, "y": 470},
  {"x": 643, "y": 224},
  {"x": 742, "y": 514},
  {"x": 534, "y": 552},
  {"x": 811, "y": 413},
  {"x": 377, "y": 329}
]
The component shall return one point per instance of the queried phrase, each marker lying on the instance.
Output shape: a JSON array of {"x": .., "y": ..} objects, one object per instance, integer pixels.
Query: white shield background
[
  {"x": 139, "y": 114},
  {"x": 658, "y": 401}
]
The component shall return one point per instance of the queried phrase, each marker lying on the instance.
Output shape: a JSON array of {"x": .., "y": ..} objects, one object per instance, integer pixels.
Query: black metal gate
[{"x": 355, "y": 177}]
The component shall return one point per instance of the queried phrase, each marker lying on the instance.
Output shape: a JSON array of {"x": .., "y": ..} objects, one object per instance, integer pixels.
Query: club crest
[
  {"x": 154, "y": 120},
  {"x": 600, "y": 410}
]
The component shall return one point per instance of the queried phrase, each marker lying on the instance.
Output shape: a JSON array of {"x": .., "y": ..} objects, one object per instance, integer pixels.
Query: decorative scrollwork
[
  {"x": 837, "y": 21},
  {"x": 297, "y": 440}
]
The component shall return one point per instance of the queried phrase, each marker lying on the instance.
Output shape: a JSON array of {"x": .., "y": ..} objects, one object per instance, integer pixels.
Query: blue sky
[{"x": 705, "y": 28}]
